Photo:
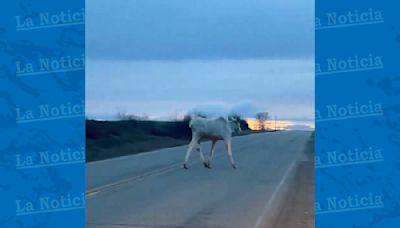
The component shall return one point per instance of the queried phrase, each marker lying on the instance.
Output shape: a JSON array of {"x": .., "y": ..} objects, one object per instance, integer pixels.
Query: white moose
[{"x": 213, "y": 129}]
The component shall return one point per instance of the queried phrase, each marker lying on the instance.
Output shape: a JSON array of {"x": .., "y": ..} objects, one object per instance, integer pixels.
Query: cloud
[
  {"x": 285, "y": 88},
  {"x": 245, "y": 109},
  {"x": 207, "y": 29}
]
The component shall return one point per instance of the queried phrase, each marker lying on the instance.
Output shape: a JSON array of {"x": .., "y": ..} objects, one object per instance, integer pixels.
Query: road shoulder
[{"x": 298, "y": 208}]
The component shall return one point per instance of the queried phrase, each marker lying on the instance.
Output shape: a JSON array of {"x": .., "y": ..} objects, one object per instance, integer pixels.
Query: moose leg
[
  {"x": 212, "y": 152},
  {"x": 229, "y": 150},
  {"x": 192, "y": 144},
  {"x": 198, "y": 148}
]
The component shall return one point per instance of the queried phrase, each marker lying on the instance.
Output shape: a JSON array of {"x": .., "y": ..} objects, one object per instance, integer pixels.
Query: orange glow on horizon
[{"x": 272, "y": 125}]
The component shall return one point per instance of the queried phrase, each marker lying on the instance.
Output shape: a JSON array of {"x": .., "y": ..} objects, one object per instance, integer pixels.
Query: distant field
[{"x": 108, "y": 139}]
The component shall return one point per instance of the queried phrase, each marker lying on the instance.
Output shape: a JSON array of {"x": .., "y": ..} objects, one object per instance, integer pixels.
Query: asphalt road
[{"x": 153, "y": 190}]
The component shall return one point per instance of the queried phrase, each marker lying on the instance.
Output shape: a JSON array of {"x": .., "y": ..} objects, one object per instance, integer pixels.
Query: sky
[{"x": 166, "y": 58}]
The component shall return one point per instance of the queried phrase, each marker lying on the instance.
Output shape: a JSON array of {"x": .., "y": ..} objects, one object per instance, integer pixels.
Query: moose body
[{"x": 214, "y": 130}]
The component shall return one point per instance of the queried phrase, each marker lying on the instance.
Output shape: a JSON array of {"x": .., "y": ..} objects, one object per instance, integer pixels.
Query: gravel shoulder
[{"x": 298, "y": 208}]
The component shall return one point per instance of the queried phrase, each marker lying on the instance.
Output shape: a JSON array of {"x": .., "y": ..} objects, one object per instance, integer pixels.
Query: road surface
[{"x": 153, "y": 190}]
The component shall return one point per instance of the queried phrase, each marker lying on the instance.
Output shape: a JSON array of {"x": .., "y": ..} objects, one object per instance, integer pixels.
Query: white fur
[{"x": 213, "y": 129}]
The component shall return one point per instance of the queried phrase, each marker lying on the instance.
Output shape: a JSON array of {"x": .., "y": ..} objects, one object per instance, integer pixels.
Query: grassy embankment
[{"x": 108, "y": 139}]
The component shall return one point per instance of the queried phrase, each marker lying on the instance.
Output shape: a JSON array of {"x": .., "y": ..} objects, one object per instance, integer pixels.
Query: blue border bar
[
  {"x": 357, "y": 161},
  {"x": 42, "y": 92}
]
